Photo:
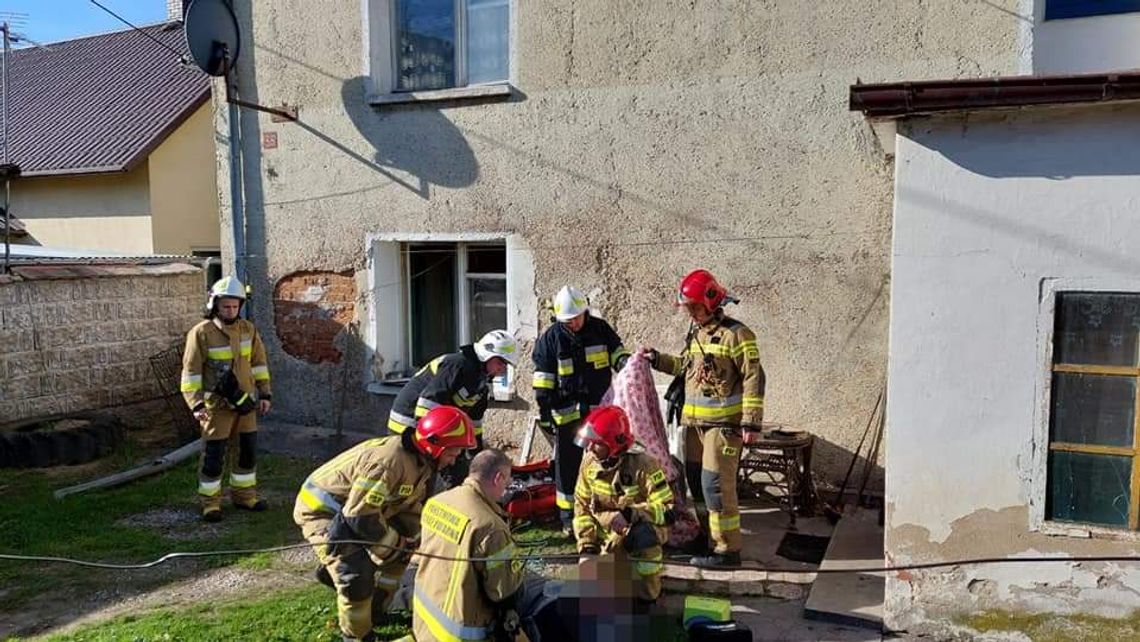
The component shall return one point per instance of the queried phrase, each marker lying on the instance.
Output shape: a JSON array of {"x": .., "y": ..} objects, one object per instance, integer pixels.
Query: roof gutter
[{"x": 900, "y": 100}]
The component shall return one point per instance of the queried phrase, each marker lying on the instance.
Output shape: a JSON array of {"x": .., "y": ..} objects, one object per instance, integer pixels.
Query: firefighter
[
  {"x": 374, "y": 492},
  {"x": 225, "y": 379},
  {"x": 462, "y": 600},
  {"x": 461, "y": 379},
  {"x": 622, "y": 501},
  {"x": 573, "y": 364},
  {"x": 724, "y": 393}
]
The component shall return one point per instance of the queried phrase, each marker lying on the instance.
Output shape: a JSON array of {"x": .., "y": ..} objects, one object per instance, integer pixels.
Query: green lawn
[
  {"x": 118, "y": 525},
  {"x": 92, "y": 525},
  {"x": 296, "y": 615}
]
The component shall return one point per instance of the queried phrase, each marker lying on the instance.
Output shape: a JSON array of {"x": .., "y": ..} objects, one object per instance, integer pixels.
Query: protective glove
[{"x": 588, "y": 552}]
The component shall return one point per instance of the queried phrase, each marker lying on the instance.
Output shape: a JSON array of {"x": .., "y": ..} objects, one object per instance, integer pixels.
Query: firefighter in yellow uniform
[
  {"x": 461, "y": 600},
  {"x": 374, "y": 492},
  {"x": 225, "y": 381},
  {"x": 724, "y": 393},
  {"x": 622, "y": 501}
]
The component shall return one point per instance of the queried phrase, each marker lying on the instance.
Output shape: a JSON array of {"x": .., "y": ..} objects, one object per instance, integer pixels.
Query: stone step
[
  {"x": 851, "y": 598},
  {"x": 746, "y": 581}
]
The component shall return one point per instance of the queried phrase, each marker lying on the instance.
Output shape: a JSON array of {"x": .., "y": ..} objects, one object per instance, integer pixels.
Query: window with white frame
[
  {"x": 456, "y": 292},
  {"x": 1094, "y": 439},
  {"x": 1061, "y": 9},
  {"x": 423, "y": 45}
]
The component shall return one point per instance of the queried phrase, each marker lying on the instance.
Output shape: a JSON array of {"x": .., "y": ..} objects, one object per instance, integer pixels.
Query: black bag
[
  {"x": 675, "y": 397},
  {"x": 228, "y": 388}
]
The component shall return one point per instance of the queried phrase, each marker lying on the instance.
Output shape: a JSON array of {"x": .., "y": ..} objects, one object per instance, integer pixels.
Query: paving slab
[{"x": 851, "y": 598}]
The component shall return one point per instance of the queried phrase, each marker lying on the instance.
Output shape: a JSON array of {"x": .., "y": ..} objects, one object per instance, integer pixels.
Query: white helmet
[
  {"x": 569, "y": 303},
  {"x": 227, "y": 286},
  {"x": 498, "y": 343}
]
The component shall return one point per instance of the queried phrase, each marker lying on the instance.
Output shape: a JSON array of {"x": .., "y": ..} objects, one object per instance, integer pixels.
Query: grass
[
  {"x": 1047, "y": 627},
  {"x": 93, "y": 526},
  {"x": 89, "y": 525},
  {"x": 306, "y": 614}
]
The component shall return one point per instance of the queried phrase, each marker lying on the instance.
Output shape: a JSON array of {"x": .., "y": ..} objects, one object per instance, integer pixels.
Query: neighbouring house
[
  {"x": 455, "y": 163},
  {"x": 1015, "y": 328},
  {"x": 115, "y": 141}
]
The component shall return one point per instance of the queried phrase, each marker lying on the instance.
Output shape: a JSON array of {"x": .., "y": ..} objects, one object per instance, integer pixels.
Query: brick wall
[
  {"x": 310, "y": 309},
  {"x": 76, "y": 339}
]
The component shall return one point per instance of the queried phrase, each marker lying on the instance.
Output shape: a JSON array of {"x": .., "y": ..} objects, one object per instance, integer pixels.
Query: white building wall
[{"x": 987, "y": 209}]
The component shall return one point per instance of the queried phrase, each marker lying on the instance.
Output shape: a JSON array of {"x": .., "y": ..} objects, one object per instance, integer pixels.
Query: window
[
  {"x": 426, "y": 45},
  {"x": 1060, "y": 9},
  {"x": 1092, "y": 473},
  {"x": 456, "y": 293}
]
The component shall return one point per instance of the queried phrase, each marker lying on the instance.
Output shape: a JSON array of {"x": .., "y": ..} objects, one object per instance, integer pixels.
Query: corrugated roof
[{"x": 100, "y": 103}]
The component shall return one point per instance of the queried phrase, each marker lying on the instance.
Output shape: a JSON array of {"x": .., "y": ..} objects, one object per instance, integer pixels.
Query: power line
[{"x": 181, "y": 57}]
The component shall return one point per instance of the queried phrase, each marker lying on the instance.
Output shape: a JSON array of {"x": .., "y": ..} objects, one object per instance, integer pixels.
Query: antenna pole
[
  {"x": 7, "y": 180},
  {"x": 236, "y": 197}
]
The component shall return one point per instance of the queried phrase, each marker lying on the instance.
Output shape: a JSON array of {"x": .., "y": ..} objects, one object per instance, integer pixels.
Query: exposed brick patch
[{"x": 310, "y": 309}]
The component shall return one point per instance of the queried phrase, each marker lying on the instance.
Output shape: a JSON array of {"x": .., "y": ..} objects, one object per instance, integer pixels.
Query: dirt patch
[{"x": 213, "y": 586}]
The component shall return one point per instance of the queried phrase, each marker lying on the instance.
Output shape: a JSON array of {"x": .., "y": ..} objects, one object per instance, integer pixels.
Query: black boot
[
  {"x": 324, "y": 577},
  {"x": 717, "y": 560}
]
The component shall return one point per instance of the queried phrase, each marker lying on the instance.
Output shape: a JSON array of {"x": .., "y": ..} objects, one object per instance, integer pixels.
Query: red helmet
[
  {"x": 444, "y": 427},
  {"x": 700, "y": 286},
  {"x": 606, "y": 425}
]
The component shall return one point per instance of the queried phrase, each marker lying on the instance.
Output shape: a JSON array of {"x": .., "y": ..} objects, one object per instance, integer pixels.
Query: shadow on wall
[
  {"x": 1084, "y": 144},
  {"x": 415, "y": 145},
  {"x": 830, "y": 461}
]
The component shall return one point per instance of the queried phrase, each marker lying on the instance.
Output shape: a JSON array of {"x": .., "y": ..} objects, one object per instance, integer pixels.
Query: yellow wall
[
  {"x": 109, "y": 212},
  {"x": 183, "y": 188}
]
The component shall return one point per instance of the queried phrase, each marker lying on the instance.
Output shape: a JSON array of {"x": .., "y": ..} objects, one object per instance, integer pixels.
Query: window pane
[
  {"x": 488, "y": 306},
  {"x": 1093, "y": 409},
  {"x": 432, "y": 293},
  {"x": 426, "y": 55},
  {"x": 486, "y": 259},
  {"x": 1093, "y": 489},
  {"x": 488, "y": 45},
  {"x": 1096, "y": 328},
  {"x": 1057, "y": 9}
]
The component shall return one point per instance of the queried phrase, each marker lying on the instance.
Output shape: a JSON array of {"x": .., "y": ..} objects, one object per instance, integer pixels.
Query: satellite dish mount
[{"x": 214, "y": 41}]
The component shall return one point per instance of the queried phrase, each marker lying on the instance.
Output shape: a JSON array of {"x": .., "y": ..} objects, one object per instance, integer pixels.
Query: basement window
[
  {"x": 1061, "y": 9},
  {"x": 1093, "y": 476},
  {"x": 457, "y": 292},
  {"x": 430, "y": 293}
]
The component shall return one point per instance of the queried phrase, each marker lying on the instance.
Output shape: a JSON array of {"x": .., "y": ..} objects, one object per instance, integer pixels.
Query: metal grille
[{"x": 167, "y": 369}]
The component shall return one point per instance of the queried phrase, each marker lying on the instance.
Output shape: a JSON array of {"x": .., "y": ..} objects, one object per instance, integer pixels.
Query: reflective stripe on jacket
[
  {"x": 635, "y": 482},
  {"x": 724, "y": 381},
  {"x": 455, "y": 601},
  {"x": 210, "y": 351},
  {"x": 573, "y": 370},
  {"x": 375, "y": 485},
  {"x": 458, "y": 379}
]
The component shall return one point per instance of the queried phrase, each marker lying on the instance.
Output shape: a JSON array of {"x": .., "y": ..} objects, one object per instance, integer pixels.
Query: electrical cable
[
  {"x": 181, "y": 57},
  {"x": 575, "y": 558}
]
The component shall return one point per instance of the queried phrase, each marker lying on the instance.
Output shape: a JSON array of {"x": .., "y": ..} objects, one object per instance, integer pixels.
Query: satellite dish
[{"x": 212, "y": 35}]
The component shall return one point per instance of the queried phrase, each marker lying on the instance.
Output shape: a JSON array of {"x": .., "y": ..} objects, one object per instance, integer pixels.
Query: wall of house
[
  {"x": 109, "y": 212},
  {"x": 184, "y": 188},
  {"x": 70, "y": 343},
  {"x": 645, "y": 138},
  {"x": 991, "y": 212}
]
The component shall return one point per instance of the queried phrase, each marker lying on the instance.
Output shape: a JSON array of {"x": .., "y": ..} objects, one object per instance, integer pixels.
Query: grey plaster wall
[{"x": 644, "y": 139}]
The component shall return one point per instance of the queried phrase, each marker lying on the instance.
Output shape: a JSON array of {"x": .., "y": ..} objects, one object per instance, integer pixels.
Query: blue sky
[{"x": 55, "y": 20}]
